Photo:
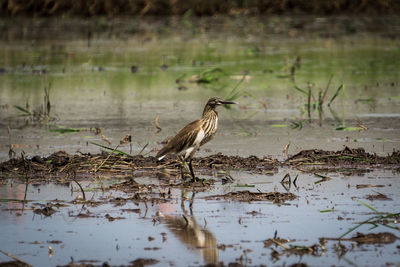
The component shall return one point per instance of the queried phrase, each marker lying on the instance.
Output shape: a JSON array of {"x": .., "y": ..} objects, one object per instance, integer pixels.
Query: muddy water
[
  {"x": 216, "y": 230},
  {"x": 119, "y": 75}
]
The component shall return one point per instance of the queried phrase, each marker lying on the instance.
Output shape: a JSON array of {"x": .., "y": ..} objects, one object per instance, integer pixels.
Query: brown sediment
[
  {"x": 61, "y": 166},
  {"x": 346, "y": 157}
]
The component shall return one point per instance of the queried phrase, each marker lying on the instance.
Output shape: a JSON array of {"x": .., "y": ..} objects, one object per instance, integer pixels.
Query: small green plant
[
  {"x": 41, "y": 113},
  {"x": 315, "y": 103},
  {"x": 379, "y": 219}
]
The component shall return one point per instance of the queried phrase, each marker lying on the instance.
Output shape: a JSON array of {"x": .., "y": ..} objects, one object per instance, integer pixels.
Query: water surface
[{"x": 88, "y": 67}]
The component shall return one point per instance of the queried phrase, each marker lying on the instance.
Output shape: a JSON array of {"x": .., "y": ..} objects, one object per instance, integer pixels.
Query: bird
[{"x": 188, "y": 140}]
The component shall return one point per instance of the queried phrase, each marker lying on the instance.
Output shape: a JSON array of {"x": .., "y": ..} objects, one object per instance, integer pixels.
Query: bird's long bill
[{"x": 224, "y": 102}]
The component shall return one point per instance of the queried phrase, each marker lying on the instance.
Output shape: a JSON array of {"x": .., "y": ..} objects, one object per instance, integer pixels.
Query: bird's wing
[{"x": 182, "y": 140}]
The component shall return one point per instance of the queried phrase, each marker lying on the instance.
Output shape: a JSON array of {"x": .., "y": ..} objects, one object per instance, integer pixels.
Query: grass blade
[
  {"x": 336, "y": 94},
  {"x": 355, "y": 227},
  {"x": 327, "y": 210},
  {"x": 300, "y": 90},
  {"x": 368, "y": 206},
  {"x": 63, "y": 130},
  {"x": 27, "y": 112},
  {"x": 115, "y": 151}
]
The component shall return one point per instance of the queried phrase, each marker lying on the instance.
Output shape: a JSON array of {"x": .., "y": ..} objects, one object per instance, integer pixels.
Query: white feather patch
[{"x": 200, "y": 136}]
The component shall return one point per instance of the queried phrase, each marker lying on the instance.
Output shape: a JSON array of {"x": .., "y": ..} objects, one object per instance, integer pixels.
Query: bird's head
[{"x": 214, "y": 102}]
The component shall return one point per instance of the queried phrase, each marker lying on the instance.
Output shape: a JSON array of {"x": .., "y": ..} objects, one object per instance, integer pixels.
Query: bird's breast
[{"x": 200, "y": 136}]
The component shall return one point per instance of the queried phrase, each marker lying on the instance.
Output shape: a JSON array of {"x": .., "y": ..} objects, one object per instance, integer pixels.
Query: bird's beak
[{"x": 225, "y": 102}]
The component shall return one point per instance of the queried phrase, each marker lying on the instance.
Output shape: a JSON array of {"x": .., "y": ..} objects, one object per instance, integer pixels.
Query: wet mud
[
  {"x": 347, "y": 157},
  {"x": 61, "y": 165}
]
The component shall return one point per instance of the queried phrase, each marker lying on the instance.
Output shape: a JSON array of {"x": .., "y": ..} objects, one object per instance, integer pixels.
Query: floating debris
[
  {"x": 46, "y": 211},
  {"x": 372, "y": 238},
  {"x": 275, "y": 197},
  {"x": 126, "y": 139},
  {"x": 378, "y": 196}
]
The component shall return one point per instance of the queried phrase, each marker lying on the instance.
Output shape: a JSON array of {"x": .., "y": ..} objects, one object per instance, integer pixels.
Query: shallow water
[
  {"x": 159, "y": 231},
  {"x": 87, "y": 66}
]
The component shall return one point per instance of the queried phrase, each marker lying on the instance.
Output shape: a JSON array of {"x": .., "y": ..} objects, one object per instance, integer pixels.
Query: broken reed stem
[
  {"x": 109, "y": 155},
  {"x": 159, "y": 129},
  {"x": 14, "y": 258},
  {"x": 278, "y": 243},
  {"x": 143, "y": 148},
  {"x": 83, "y": 192}
]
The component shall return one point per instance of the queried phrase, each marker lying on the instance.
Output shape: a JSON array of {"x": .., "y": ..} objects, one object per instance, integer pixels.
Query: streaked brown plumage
[{"x": 195, "y": 134}]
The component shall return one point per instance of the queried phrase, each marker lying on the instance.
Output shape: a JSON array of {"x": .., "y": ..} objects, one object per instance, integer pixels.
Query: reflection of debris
[
  {"x": 323, "y": 178},
  {"x": 378, "y": 196},
  {"x": 51, "y": 251},
  {"x": 47, "y": 211},
  {"x": 110, "y": 218},
  {"x": 140, "y": 262},
  {"x": 368, "y": 185},
  {"x": 54, "y": 242},
  {"x": 153, "y": 248},
  {"x": 379, "y": 238},
  {"x": 275, "y": 197},
  {"x": 315, "y": 250},
  {"x": 131, "y": 210},
  {"x": 286, "y": 182},
  {"x": 86, "y": 263}
]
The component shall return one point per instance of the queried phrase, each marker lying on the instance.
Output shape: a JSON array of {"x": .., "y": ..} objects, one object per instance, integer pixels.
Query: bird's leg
[
  {"x": 182, "y": 174},
  {"x": 191, "y": 171},
  {"x": 183, "y": 165}
]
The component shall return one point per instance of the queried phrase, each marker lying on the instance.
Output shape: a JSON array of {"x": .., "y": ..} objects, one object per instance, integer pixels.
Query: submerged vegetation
[{"x": 39, "y": 114}]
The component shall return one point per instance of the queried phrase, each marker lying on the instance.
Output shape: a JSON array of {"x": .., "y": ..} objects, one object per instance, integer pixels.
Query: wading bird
[{"x": 194, "y": 135}]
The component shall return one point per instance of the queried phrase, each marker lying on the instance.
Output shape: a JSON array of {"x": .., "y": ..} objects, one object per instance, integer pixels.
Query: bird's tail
[{"x": 162, "y": 153}]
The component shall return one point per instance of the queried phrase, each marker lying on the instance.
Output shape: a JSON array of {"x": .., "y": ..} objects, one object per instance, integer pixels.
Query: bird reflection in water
[{"x": 191, "y": 233}]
